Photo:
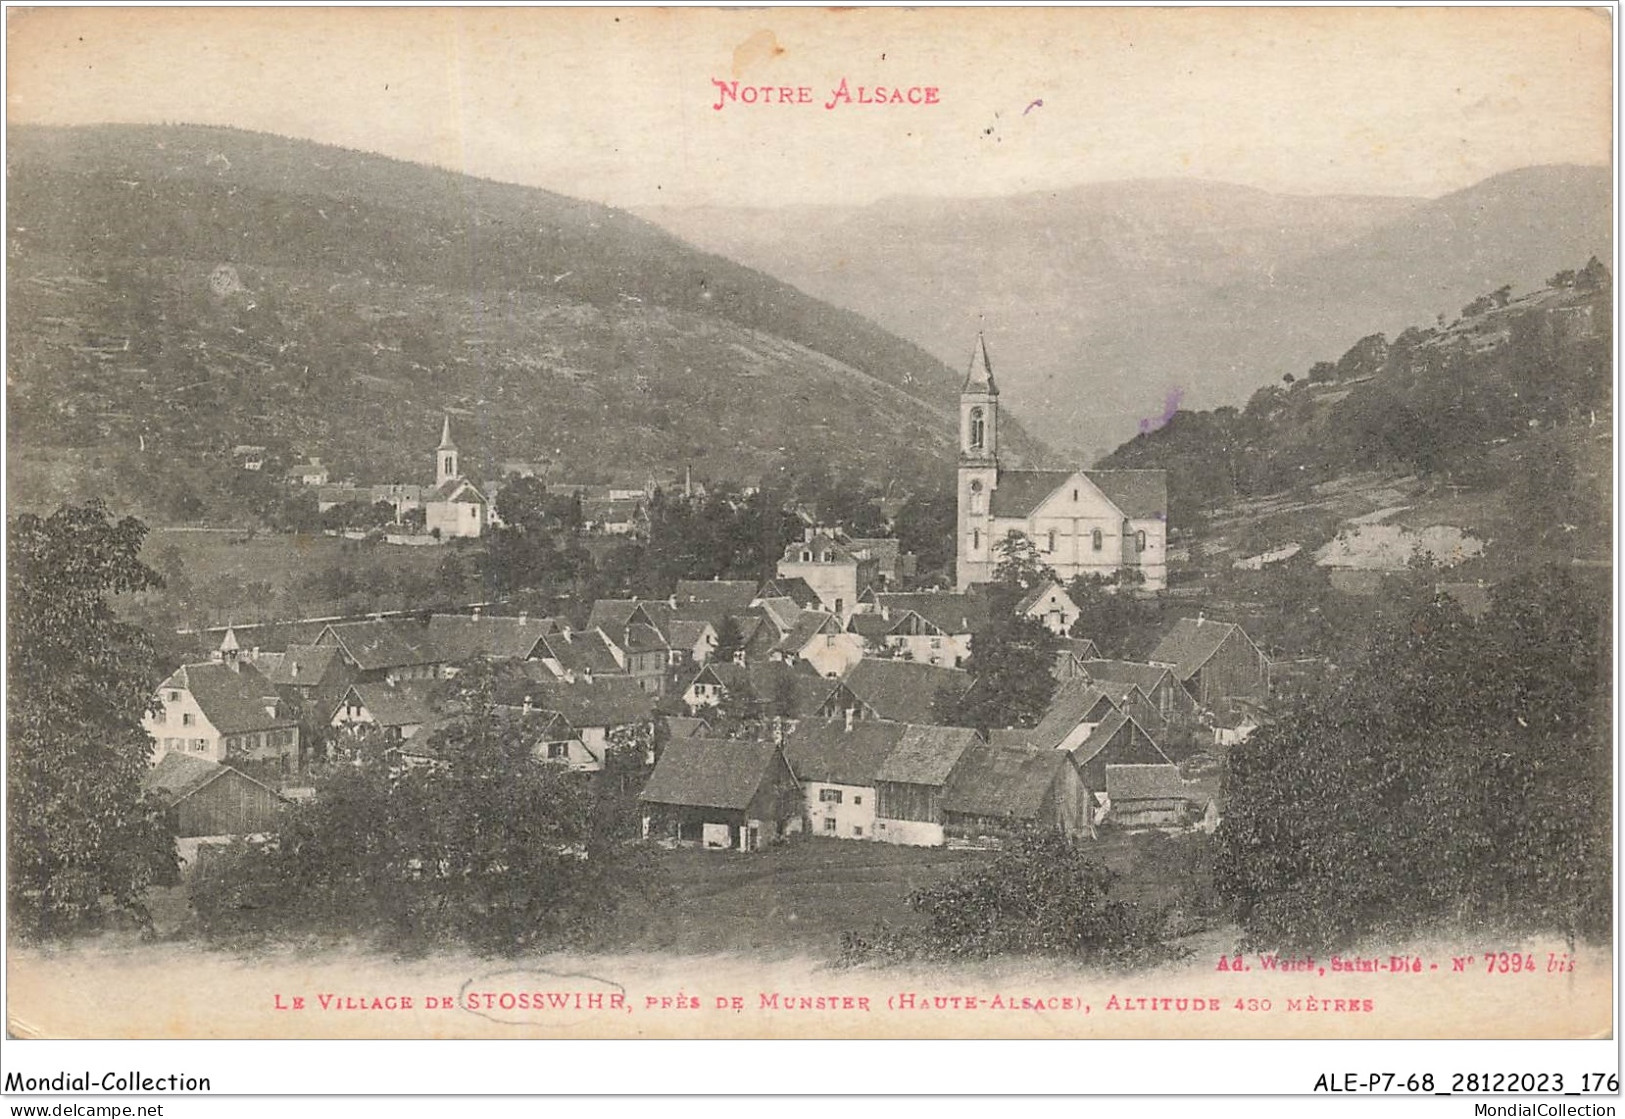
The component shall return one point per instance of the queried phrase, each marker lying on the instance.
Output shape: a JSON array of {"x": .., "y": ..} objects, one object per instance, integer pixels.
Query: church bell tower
[
  {"x": 978, "y": 469},
  {"x": 445, "y": 457}
]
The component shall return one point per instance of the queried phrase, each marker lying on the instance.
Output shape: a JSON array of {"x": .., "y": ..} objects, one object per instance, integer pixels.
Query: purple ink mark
[
  {"x": 1170, "y": 405},
  {"x": 1037, "y": 104}
]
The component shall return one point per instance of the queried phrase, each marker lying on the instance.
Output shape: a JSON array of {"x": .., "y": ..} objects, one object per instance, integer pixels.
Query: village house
[
  {"x": 309, "y": 473},
  {"x": 901, "y": 691},
  {"x": 911, "y": 783},
  {"x": 1049, "y": 606},
  {"x": 204, "y": 798},
  {"x": 225, "y": 712},
  {"x": 782, "y": 690},
  {"x": 593, "y": 712},
  {"x": 1083, "y": 522},
  {"x": 724, "y": 594},
  {"x": 836, "y": 762},
  {"x": 893, "y": 566},
  {"x": 721, "y": 795},
  {"x": 932, "y": 627},
  {"x": 1153, "y": 796},
  {"x": 1214, "y": 660},
  {"x": 579, "y": 655},
  {"x": 305, "y": 674},
  {"x": 797, "y": 590},
  {"x": 1070, "y": 655},
  {"x": 1156, "y": 682},
  {"x": 692, "y": 642},
  {"x": 832, "y": 566},
  {"x": 391, "y": 650},
  {"x": 465, "y": 638},
  {"x": 644, "y": 651},
  {"x": 997, "y": 791},
  {"x": 819, "y": 639},
  {"x": 397, "y": 711},
  {"x": 1080, "y": 707}
]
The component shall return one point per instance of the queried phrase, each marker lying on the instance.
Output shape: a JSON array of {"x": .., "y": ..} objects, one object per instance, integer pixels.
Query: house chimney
[
  {"x": 524, "y": 617},
  {"x": 526, "y": 707},
  {"x": 586, "y": 675},
  {"x": 1201, "y": 616},
  {"x": 850, "y": 713}
]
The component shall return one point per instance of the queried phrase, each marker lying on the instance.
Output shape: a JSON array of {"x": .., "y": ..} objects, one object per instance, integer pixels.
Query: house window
[
  {"x": 1074, "y": 495},
  {"x": 839, "y": 609},
  {"x": 188, "y": 719},
  {"x": 829, "y": 638},
  {"x": 1098, "y": 538},
  {"x": 857, "y": 831},
  {"x": 978, "y": 429},
  {"x": 806, "y": 556},
  {"x": 200, "y": 745},
  {"x": 830, "y": 796},
  {"x": 174, "y": 696},
  {"x": 1139, "y": 541},
  {"x": 558, "y": 751},
  {"x": 829, "y": 823},
  {"x": 857, "y": 800}
]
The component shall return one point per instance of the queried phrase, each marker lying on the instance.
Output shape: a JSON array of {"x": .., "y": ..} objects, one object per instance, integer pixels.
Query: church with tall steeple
[
  {"x": 455, "y": 507},
  {"x": 1083, "y": 522}
]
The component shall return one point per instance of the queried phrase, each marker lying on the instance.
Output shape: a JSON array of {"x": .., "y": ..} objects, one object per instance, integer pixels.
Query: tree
[
  {"x": 1020, "y": 567},
  {"x": 492, "y": 849},
  {"x": 1459, "y": 778},
  {"x": 1042, "y": 895},
  {"x": 730, "y": 640},
  {"x": 1011, "y": 664},
  {"x": 82, "y": 841}
]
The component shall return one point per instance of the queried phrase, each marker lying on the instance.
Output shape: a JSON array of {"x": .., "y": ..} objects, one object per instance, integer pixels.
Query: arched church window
[
  {"x": 977, "y": 497},
  {"x": 1139, "y": 541},
  {"x": 1050, "y": 547},
  {"x": 1098, "y": 538},
  {"x": 978, "y": 429},
  {"x": 975, "y": 539}
]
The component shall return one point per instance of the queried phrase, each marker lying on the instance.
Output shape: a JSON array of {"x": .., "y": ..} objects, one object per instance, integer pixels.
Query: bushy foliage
[
  {"x": 493, "y": 850},
  {"x": 81, "y": 840},
  {"x": 1044, "y": 895},
  {"x": 1011, "y": 664},
  {"x": 1458, "y": 778},
  {"x": 1111, "y": 615}
]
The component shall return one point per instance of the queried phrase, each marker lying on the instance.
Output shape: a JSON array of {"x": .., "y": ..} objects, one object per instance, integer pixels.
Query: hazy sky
[{"x": 616, "y": 104}]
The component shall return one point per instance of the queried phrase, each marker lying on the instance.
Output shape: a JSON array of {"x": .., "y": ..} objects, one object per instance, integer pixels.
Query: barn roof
[
  {"x": 833, "y": 752},
  {"x": 1191, "y": 643},
  {"x": 1074, "y": 703},
  {"x": 731, "y": 594},
  {"x": 1002, "y": 781},
  {"x": 463, "y": 637},
  {"x": 926, "y": 755},
  {"x": 380, "y": 643},
  {"x": 710, "y": 772},
  {"x": 611, "y": 702},
  {"x": 234, "y": 700},
  {"x": 683, "y": 726},
  {"x": 178, "y": 776},
  {"x": 586, "y": 651},
  {"x": 301, "y": 664},
  {"x": 1144, "y": 782},
  {"x": 951, "y": 612},
  {"x": 791, "y": 587},
  {"x": 1146, "y": 677},
  {"x": 809, "y": 625},
  {"x": 903, "y": 691},
  {"x": 399, "y": 705}
]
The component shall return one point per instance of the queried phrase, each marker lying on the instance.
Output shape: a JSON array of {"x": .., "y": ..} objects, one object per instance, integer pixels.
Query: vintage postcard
[{"x": 784, "y": 523}]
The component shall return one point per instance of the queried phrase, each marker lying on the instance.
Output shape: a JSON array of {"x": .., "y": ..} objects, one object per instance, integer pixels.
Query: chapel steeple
[{"x": 445, "y": 457}]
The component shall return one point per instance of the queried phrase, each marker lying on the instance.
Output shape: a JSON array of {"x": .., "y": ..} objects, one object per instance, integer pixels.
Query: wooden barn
[
  {"x": 997, "y": 791},
  {"x": 721, "y": 794},
  {"x": 910, "y": 783},
  {"x": 1214, "y": 660},
  {"x": 1147, "y": 796},
  {"x": 201, "y": 797}
]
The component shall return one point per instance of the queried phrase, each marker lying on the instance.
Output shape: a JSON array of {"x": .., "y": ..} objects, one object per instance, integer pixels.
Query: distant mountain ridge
[
  {"x": 179, "y": 289},
  {"x": 1108, "y": 303}
]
